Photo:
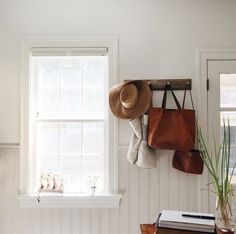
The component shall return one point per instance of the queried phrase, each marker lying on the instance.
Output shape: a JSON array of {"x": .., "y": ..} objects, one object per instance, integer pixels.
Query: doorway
[
  {"x": 221, "y": 106},
  {"x": 216, "y": 99}
]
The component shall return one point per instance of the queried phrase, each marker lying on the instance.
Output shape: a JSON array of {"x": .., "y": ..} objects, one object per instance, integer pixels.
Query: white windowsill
[{"x": 58, "y": 201}]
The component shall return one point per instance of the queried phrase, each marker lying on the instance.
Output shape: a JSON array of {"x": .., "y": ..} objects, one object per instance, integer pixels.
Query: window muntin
[{"x": 68, "y": 119}]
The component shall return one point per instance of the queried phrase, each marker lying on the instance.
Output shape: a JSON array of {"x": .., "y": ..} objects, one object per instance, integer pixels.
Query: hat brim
[{"x": 141, "y": 106}]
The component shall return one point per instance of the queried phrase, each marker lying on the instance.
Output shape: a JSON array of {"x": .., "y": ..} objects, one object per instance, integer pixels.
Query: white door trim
[{"x": 202, "y": 58}]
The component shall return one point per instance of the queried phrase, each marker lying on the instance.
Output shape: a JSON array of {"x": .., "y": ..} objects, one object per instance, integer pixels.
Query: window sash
[
  {"x": 34, "y": 164},
  {"x": 35, "y": 84}
]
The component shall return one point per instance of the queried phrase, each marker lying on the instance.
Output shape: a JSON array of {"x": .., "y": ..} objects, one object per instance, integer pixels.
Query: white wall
[
  {"x": 157, "y": 39},
  {"x": 146, "y": 193}
]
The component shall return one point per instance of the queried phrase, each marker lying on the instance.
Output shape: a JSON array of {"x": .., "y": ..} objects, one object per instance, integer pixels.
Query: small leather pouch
[{"x": 188, "y": 161}]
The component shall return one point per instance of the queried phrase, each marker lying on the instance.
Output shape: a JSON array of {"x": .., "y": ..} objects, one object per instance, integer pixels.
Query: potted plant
[{"x": 218, "y": 166}]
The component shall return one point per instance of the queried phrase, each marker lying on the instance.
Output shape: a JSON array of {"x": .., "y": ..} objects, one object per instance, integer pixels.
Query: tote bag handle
[
  {"x": 185, "y": 90},
  {"x": 168, "y": 87}
]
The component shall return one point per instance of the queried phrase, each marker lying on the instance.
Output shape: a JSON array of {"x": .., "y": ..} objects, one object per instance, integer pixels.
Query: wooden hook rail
[{"x": 175, "y": 84}]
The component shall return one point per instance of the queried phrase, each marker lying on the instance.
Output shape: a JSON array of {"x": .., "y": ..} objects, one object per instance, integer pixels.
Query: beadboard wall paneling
[{"x": 147, "y": 192}]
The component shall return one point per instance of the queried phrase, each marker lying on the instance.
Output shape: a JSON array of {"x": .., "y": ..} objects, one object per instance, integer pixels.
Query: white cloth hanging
[
  {"x": 139, "y": 152},
  {"x": 135, "y": 140}
]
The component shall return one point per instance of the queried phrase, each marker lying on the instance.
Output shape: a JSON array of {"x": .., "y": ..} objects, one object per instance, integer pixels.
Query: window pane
[
  {"x": 73, "y": 150},
  {"x": 71, "y": 88},
  {"x": 93, "y": 153},
  {"x": 93, "y": 138},
  {"x": 48, "y": 138},
  {"x": 93, "y": 84},
  {"x": 45, "y": 74},
  {"x": 228, "y": 90},
  {"x": 93, "y": 165},
  {"x": 47, "y": 148},
  {"x": 233, "y": 158},
  {"x": 70, "y": 152},
  {"x": 71, "y": 171},
  {"x": 49, "y": 163},
  {"x": 70, "y": 138},
  {"x": 231, "y": 116}
]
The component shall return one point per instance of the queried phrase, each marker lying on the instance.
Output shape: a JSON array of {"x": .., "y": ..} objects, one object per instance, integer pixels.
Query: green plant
[{"x": 218, "y": 165}]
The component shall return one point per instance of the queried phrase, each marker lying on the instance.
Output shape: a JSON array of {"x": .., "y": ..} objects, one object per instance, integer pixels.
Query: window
[
  {"x": 228, "y": 110},
  {"x": 68, "y": 119},
  {"x": 67, "y": 128},
  {"x": 222, "y": 102}
]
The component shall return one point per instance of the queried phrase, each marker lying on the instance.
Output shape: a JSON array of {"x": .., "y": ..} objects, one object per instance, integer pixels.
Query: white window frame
[{"x": 82, "y": 43}]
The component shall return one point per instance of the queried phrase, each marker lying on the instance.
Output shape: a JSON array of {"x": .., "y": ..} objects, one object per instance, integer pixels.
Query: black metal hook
[{"x": 168, "y": 85}]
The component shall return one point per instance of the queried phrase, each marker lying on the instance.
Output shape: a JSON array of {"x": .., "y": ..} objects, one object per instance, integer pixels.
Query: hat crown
[
  {"x": 129, "y": 95},
  {"x": 130, "y": 100}
]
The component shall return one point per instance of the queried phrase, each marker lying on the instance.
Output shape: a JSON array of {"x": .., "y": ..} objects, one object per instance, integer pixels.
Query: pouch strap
[
  {"x": 151, "y": 104},
  {"x": 185, "y": 90},
  {"x": 168, "y": 87}
]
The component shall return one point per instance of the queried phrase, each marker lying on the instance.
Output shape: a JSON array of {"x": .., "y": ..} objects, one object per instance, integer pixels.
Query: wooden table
[{"x": 151, "y": 229}]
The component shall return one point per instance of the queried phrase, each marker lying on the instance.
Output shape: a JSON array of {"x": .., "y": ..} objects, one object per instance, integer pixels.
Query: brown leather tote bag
[{"x": 171, "y": 129}]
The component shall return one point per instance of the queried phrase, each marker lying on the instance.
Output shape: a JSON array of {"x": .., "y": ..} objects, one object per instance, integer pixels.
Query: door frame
[{"x": 200, "y": 83}]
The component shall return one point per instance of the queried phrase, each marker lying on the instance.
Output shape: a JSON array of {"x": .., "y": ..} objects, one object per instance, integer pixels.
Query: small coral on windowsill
[
  {"x": 92, "y": 181},
  {"x": 51, "y": 183}
]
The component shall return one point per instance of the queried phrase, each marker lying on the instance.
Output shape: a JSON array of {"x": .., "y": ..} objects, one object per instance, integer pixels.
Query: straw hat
[{"x": 130, "y": 100}]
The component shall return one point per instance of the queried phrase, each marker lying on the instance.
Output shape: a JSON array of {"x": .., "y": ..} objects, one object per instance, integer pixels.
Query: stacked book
[{"x": 188, "y": 221}]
